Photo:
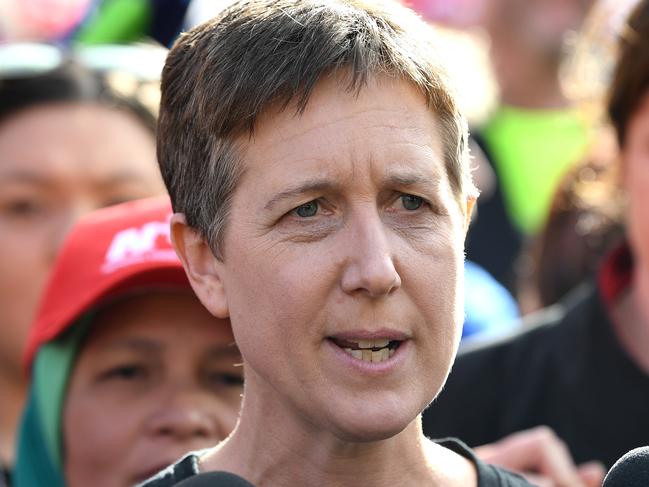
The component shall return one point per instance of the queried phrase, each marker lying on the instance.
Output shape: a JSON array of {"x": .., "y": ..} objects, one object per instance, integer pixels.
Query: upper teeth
[
  {"x": 379, "y": 343},
  {"x": 371, "y": 355}
]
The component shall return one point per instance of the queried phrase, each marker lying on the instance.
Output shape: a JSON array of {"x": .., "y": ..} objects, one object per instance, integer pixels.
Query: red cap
[{"x": 110, "y": 252}]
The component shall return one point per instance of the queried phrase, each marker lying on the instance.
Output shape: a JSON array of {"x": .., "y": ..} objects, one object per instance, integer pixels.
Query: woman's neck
[
  {"x": 12, "y": 392},
  {"x": 631, "y": 320},
  {"x": 273, "y": 447}
]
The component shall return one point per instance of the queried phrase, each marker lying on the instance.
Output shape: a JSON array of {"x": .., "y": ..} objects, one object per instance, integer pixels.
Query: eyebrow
[
  {"x": 37, "y": 178},
  {"x": 308, "y": 186},
  {"x": 147, "y": 346},
  {"x": 135, "y": 344},
  {"x": 413, "y": 178},
  {"x": 22, "y": 176},
  {"x": 394, "y": 178}
]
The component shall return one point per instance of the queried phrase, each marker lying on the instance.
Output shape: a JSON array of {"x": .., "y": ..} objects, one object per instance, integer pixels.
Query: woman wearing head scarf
[{"x": 128, "y": 370}]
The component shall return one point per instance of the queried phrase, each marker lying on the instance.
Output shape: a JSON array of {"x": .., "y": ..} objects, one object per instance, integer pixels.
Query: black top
[
  {"x": 488, "y": 475},
  {"x": 567, "y": 371}
]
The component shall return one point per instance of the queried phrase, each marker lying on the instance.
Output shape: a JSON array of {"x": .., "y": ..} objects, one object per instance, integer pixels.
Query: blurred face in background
[
  {"x": 58, "y": 162},
  {"x": 541, "y": 24},
  {"x": 635, "y": 155},
  {"x": 155, "y": 378}
]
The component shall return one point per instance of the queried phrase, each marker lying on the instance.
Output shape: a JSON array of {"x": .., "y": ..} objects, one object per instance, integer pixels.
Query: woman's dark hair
[
  {"x": 70, "y": 82},
  {"x": 631, "y": 77}
]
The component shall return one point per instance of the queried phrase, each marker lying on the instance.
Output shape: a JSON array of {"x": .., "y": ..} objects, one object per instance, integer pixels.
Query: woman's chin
[{"x": 371, "y": 424}]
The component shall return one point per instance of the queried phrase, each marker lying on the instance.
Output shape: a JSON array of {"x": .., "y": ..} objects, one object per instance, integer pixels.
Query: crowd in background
[{"x": 560, "y": 210}]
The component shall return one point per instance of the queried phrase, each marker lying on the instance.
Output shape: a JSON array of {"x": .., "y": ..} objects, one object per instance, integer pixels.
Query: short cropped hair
[
  {"x": 631, "y": 76},
  {"x": 263, "y": 54}
]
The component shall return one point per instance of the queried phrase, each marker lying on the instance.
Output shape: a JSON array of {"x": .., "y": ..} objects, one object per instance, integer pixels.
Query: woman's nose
[
  {"x": 192, "y": 415},
  {"x": 370, "y": 265}
]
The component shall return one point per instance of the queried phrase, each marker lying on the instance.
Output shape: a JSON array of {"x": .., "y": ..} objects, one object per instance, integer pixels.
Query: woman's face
[
  {"x": 57, "y": 163},
  {"x": 155, "y": 379},
  {"x": 635, "y": 155},
  {"x": 348, "y": 238}
]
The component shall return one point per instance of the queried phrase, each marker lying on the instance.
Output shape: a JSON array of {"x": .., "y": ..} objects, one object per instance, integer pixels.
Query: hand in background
[{"x": 542, "y": 458}]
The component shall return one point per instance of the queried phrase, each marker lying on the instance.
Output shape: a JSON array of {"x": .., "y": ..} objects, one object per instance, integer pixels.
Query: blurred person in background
[
  {"x": 129, "y": 370},
  {"x": 534, "y": 134},
  {"x": 583, "y": 366},
  {"x": 69, "y": 143}
]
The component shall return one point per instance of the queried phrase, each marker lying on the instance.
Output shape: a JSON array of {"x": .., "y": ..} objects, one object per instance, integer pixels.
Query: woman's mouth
[{"x": 377, "y": 350}]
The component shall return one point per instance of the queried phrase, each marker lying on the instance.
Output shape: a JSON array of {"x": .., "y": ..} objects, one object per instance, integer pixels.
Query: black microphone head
[
  {"x": 215, "y": 479},
  {"x": 632, "y": 470}
]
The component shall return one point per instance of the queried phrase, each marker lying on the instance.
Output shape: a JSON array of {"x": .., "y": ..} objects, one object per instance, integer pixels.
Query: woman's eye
[
  {"x": 126, "y": 372},
  {"x": 24, "y": 208},
  {"x": 411, "y": 202},
  {"x": 307, "y": 209}
]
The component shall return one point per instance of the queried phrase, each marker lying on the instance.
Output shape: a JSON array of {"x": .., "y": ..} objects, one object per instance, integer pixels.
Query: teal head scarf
[{"x": 40, "y": 441}]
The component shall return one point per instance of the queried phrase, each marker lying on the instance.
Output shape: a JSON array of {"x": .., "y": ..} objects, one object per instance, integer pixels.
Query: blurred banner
[{"x": 92, "y": 21}]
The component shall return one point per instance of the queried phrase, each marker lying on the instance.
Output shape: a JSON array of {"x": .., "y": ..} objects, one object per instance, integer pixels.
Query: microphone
[
  {"x": 632, "y": 470},
  {"x": 215, "y": 479}
]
